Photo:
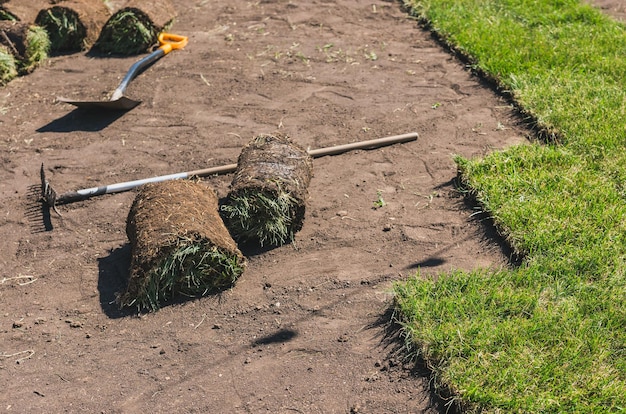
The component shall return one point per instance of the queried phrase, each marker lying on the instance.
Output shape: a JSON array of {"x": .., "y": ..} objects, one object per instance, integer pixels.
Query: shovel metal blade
[{"x": 120, "y": 104}]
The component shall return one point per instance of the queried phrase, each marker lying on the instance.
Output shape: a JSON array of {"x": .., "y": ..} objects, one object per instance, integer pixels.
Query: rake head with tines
[{"x": 48, "y": 195}]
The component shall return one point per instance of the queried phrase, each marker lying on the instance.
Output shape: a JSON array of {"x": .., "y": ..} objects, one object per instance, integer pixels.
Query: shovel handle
[{"x": 169, "y": 42}]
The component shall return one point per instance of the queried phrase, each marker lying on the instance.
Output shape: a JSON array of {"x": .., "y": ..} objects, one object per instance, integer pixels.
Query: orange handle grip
[{"x": 171, "y": 41}]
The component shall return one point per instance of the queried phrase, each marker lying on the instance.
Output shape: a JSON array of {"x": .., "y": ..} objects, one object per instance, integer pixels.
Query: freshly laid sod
[{"x": 549, "y": 336}]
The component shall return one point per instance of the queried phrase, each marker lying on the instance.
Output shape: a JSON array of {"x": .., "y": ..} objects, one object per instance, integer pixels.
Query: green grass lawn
[{"x": 549, "y": 336}]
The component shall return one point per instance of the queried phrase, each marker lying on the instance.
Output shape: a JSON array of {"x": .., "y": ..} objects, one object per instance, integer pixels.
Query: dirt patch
[
  {"x": 304, "y": 329},
  {"x": 615, "y": 8}
]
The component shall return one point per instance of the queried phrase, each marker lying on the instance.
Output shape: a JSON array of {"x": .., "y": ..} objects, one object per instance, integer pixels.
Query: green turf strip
[{"x": 549, "y": 336}]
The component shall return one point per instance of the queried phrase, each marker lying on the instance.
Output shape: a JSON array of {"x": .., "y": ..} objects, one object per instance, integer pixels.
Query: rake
[{"x": 52, "y": 199}]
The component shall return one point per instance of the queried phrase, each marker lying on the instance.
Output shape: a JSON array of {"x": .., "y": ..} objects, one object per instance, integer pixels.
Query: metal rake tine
[{"x": 48, "y": 195}]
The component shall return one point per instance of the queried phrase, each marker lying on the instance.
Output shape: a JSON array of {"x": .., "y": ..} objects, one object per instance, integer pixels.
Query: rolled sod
[
  {"x": 180, "y": 246},
  {"x": 24, "y": 11},
  {"x": 267, "y": 198},
  {"x": 28, "y": 43},
  {"x": 5, "y": 15},
  {"x": 135, "y": 27},
  {"x": 73, "y": 25},
  {"x": 8, "y": 66}
]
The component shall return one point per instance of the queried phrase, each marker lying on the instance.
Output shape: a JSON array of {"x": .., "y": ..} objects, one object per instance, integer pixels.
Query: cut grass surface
[
  {"x": 260, "y": 216},
  {"x": 192, "y": 268},
  {"x": 5, "y": 15},
  {"x": 8, "y": 66},
  {"x": 520, "y": 341},
  {"x": 37, "y": 48},
  {"x": 549, "y": 336}
]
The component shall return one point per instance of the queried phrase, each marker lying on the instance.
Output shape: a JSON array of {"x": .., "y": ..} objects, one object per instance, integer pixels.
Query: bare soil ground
[
  {"x": 307, "y": 328},
  {"x": 614, "y": 8}
]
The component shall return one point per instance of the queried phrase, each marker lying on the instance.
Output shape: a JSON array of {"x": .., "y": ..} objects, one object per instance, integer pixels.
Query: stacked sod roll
[
  {"x": 8, "y": 67},
  {"x": 180, "y": 246},
  {"x": 135, "y": 27},
  {"x": 23, "y": 11},
  {"x": 267, "y": 197},
  {"x": 73, "y": 25},
  {"x": 24, "y": 47}
]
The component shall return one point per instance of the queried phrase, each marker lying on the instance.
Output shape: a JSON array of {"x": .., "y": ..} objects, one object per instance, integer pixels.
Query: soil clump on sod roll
[
  {"x": 267, "y": 197},
  {"x": 73, "y": 25},
  {"x": 29, "y": 44},
  {"x": 135, "y": 27},
  {"x": 180, "y": 246}
]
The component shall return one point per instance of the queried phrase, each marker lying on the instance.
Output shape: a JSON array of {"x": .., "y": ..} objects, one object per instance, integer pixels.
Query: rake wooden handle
[
  {"x": 78, "y": 195},
  {"x": 321, "y": 152}
]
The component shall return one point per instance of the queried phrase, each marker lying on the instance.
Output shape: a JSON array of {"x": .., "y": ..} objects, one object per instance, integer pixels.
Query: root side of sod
[
  {"x": 267, "y": 199},
  {"x": 8, "y": 66},
  {"x": 24, "y": 11}
]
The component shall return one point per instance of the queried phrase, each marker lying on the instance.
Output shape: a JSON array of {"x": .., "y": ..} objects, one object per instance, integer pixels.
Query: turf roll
[
  {"x": 267, "y": 197},
  {"x": 24, "y": 11},
  {"x": 73, "y": 25},
  {"x": 134, "y": 28},
  {"x": 5, "y": 15},
  {"x": 28, "y": 43},
  {"x": 8, "y": 66},
  {"x": 179, "y": 245}
]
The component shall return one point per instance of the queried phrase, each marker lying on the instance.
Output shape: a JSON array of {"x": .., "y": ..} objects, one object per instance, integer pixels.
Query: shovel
[{"x": 118, "y": 101}]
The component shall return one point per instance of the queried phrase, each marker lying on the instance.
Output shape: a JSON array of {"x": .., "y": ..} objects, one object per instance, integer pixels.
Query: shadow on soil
[
  {"x": 483, "y": 219},
  {"x": 393, "y": 340},
  {"x": 279, "y": 337},
  {"x": 112, "y": 278},
  {"x": 37, "y": 212},
  {"x": 82, "y": 120},
  {"x": 113, "y": 275}
]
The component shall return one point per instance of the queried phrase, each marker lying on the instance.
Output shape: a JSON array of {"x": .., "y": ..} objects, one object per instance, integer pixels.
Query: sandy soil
[{"x": 307, "y": 328}]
